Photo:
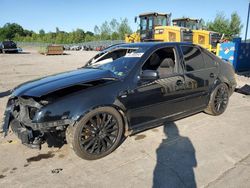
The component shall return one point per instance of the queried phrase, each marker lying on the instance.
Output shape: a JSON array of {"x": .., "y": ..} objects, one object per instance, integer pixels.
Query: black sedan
[
  {"x": 8, "y": 46},
  {"x": 123, "y": 90}
]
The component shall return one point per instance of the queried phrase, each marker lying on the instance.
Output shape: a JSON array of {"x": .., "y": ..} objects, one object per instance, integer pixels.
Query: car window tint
[
  {"x": 193, "y": 58},
  {"x": 210, "y": 62}
]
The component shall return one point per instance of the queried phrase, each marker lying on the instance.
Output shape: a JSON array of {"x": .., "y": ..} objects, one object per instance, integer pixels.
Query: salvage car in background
[
  {"x": 8, "y": 46},
  {"x": 123, "y": 90}
]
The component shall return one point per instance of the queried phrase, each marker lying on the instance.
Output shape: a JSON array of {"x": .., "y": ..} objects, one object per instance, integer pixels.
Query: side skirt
[{"x": 159, "y": 122}]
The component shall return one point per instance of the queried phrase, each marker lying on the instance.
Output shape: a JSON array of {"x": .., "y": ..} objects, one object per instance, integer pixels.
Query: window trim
[
  {"x": 177, "y": 59},
  {"x": 184, "y": 62},
  {"x": 209, "y": 55}
]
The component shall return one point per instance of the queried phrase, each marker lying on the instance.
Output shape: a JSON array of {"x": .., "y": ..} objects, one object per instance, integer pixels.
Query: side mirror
[{"x": 148, "y": 75}]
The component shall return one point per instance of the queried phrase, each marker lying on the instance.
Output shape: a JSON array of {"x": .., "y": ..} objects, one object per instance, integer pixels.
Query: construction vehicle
[
  {"x": 173, "y": 34},
  {"x": 148, "y": 22},
  {"x": 156, "y": 27},
  {"x": 206, "y": 39}
]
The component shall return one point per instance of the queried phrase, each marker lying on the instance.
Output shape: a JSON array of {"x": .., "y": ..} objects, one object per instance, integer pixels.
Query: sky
[{"x": 68, "y": 15}]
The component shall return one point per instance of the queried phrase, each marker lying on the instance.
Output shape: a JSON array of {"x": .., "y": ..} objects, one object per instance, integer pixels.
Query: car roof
[{"x": 153, "y": 44}]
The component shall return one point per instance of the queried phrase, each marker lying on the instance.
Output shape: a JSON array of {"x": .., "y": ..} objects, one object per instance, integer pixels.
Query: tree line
[
  {"x": 113, "y": 30},
  {"x": 231, "y": 27}
]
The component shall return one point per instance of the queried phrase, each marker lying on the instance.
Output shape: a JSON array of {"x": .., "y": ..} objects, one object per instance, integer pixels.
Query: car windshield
[{"x": 119, "y": 61}]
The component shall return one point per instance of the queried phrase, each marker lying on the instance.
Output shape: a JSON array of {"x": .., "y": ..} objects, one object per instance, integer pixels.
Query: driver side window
[{"x": 163, "y": 61}]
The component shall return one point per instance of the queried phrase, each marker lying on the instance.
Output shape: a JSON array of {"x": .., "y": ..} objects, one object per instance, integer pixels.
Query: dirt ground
[{"x": 198, "y": 151}]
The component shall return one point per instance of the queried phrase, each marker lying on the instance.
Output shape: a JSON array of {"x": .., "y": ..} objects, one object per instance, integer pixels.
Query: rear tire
[
  {"x": 97, "y": 134},
  {"x": 218, "y": 100}
]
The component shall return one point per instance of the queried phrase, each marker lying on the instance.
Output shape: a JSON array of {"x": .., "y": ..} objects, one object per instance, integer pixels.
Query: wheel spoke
[
  {"x": 104, "y": 116},
  {"x": 104, "y": 145},
  {"x": 85, "y": 141},
  {"x": 218, "y": 107},
  {"x": 108, "y": 140},
  {"x": 112, "y": 129},
  {"x": 93, "y": 146},
  {"x": 110, "y": 125},
  {"x": 98, "y": 120},
  {"x": 98, "y": 146},
  {"x": 111, "y": 135},
  {"x": 90, "y": 143},
  {"x": 107, "y": 122}
]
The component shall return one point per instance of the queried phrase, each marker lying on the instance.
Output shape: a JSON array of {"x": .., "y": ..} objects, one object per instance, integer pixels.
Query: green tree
[
  {"x": 10, "y": 30},
  {"x": 124, "y": 28},
  {"x": 90, "y": 33},
  {"x": 114, "y": 25},
  {"x": 230, "y": 27},
  {"x": 105, "y": 31},
  {"x": 41, "y": 32},
  {"x": 235, "y": 25}
]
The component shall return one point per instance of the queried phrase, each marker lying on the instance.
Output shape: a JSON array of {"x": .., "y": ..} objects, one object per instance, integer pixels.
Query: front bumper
[
  {"x": 35, "y": 134},
  {"x": 30, "y": 133},
  {"x": 26, "y": 136}
]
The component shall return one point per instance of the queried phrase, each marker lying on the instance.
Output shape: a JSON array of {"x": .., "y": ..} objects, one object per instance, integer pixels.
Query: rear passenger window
[
  {"x": 210, "y": 62},
  {"x": 193, "y": 58}
]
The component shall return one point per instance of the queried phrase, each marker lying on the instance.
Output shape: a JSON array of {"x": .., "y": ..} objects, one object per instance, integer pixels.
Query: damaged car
[{"x": 123, "y": 90}]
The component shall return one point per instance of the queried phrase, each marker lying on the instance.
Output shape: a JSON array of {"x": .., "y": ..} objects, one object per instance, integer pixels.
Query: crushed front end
[{"x": 19, "y": 115}]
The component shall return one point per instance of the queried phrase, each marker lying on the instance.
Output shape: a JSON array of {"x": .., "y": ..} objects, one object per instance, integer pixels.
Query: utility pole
[{"x": 248, "y": 14}]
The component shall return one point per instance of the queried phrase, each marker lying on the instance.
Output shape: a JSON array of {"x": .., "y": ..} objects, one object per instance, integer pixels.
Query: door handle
[
  {"x": 179, "y": 82},
  {"x": 211, "y": 75}
]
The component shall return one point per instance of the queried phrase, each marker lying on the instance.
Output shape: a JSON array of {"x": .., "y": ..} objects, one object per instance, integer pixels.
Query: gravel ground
[{"x": 242, "y": 79}]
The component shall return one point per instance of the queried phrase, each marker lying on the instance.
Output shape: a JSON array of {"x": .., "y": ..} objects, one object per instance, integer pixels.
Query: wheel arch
[
  {"x": 225, "y": 80},
  {"x": 127, "y": 131}
]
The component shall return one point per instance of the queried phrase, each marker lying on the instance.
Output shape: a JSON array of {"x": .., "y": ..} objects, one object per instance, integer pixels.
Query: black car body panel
[
  {"x": 53, "y": 103},
  {"x": 56, "y": 82}
]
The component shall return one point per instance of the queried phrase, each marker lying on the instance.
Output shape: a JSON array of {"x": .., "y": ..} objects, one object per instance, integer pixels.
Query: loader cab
[
  {"x": 148, "y": 22},
  {"x": 192, "y": 24},
  {"x": 206, "y": 39}
]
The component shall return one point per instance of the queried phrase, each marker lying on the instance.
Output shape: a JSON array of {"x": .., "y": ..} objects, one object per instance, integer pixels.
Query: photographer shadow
[{"x": 175, "y": 160}]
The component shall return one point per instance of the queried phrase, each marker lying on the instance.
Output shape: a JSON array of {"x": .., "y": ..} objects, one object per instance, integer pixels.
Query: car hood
[{"x": 46, "y": 85}]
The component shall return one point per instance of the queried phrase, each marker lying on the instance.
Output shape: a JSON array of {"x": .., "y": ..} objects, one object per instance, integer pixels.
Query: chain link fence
[{"x": 93, "y": 45}]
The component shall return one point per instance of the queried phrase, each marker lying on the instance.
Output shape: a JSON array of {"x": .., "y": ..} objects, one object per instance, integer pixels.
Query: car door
[
  {"x": 211, "y": 70},
  {"x": 195, "y": 77},
  {"x": 155, "y": 100}
]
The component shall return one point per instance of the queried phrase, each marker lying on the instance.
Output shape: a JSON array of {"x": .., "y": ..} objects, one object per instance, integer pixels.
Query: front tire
[
  {"x": 218, "y": 100},
  {"x": 97, "y": 134}
]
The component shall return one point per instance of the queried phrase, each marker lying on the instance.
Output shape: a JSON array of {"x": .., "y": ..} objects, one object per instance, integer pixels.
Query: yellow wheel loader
[
  {"x": 204, "y": 38},
  {"x": 148, "y": 22}
]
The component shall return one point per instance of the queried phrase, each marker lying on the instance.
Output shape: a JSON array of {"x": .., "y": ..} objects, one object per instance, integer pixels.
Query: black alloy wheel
[
  {"x": 221, "y": 99},
  {"x": 218, "y": 100},
  {"x": 97, "y": 134}
]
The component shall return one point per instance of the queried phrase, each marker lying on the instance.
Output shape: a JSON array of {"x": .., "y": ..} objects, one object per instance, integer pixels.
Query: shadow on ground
[
  {"x": 175, "y": 160},
  {"x": 246, "y": 74}
]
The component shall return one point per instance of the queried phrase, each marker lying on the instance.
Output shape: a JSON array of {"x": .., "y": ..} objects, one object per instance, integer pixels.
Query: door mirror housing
[{"x": 148, "y": 75}]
